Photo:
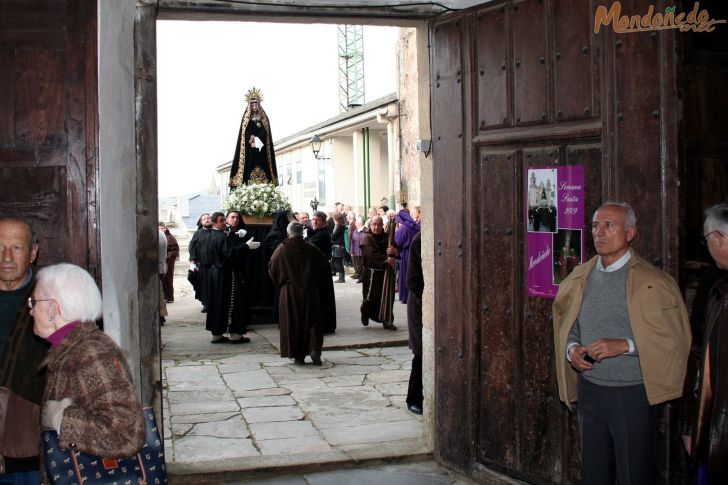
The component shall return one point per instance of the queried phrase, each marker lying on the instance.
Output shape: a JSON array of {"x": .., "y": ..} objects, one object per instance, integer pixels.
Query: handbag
[
  {"x": 337, "y": 251},
  {"x": 68, "y": 466}
]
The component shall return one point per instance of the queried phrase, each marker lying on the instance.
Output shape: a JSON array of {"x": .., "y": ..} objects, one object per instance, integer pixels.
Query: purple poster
[{"x": 555, "y": 226}]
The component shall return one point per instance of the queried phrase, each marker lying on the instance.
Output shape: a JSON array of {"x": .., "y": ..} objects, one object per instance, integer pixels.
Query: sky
[{"x": 205, "y": 68}]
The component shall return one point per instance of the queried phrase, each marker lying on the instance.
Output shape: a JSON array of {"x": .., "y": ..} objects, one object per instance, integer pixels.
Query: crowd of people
[
  {"x": 376, "y": 249},
  {"x": 622, "y": 337}
]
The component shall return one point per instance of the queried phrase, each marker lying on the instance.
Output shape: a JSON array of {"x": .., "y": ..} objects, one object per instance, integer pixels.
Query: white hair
[
  {"x": 716, "y": 218},
  {"x": 630, "y": 218},
  {"x": 74, "y": 290}
]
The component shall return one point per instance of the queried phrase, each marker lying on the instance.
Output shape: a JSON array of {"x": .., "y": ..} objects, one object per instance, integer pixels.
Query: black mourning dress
[{"x": 250, "y": 164}]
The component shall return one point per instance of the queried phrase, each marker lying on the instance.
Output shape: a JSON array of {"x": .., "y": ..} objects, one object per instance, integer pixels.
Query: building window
[{"x": 299, "y": 177}]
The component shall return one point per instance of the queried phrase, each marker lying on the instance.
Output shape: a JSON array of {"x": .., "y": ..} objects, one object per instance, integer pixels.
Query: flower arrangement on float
[{"x": 257, "y": 200}]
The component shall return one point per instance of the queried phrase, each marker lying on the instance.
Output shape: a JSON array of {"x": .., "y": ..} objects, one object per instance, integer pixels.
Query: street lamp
[
  {"x": 314, "y": 203},
  {"x": 316, "y": 145}
]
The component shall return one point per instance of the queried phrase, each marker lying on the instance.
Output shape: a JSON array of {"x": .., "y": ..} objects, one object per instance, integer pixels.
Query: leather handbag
[{"x": 68, "y": 466}]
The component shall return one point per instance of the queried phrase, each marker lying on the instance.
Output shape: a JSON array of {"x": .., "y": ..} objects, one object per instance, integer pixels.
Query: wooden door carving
[{"x": 48, "y": 152}]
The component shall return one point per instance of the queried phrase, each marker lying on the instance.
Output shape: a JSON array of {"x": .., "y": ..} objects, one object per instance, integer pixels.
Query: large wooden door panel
[
  {"x": 494, "y": 68},
  {"x": 499, "y": 268},
  {"x": 451, "y": 375},
  {"x": 531, "y": 51},
  {"x": 575, "y": 60},
  {"x": 48, "y": 110}
]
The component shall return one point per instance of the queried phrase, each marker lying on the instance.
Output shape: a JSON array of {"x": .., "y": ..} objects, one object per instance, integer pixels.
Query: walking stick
[{"x": 386, "y": 306}]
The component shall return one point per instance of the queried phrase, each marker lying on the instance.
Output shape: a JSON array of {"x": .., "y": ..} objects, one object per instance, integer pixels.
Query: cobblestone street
[{"x": 241, "y": 410}]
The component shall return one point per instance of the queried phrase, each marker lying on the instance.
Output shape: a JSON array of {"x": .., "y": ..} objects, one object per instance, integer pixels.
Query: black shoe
[
  {"x": 204, "y": 309},
  {"x": 364, "y": 320},
  {"x": 414, "y": 409},
  {"x": 298, "y": 361},
  {"x": 161, "y": 321},
  {"x": 241, "y": 340},
  {"x": 390, "y": 326},
  {"x": 221, "y": 340},
  {"x": 340, "y": 280},
  {"x": 316, "y": 357}
]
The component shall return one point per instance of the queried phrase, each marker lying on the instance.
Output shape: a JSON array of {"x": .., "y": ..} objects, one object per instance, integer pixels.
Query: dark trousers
[
  {"x": 618, "y": 431},
  {"x": 337, "y": 266},
  {"x": 414, "y": 391},
  {"x": 168, "y": 282},
  {"x": 358, "y": 271}
]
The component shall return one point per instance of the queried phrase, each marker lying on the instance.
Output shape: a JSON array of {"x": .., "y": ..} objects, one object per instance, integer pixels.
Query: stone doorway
[{"x": 145, "y": 115}]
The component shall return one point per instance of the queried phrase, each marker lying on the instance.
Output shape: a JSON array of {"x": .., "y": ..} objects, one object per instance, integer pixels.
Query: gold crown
[{"x": 253, "y": 94}]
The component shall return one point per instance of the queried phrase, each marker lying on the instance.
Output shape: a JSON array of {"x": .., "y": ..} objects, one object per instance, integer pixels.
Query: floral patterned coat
[{"x": 105, "y": 418}]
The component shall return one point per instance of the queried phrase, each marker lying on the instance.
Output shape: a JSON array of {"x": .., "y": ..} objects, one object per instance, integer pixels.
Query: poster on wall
[{"x": 555, "y": 226}]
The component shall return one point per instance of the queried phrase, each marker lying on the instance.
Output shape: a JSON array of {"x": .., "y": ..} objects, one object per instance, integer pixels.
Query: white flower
[{"x": 257, "y": 199}]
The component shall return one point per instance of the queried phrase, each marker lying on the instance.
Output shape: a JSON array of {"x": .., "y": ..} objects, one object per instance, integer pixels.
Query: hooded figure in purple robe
[{"x": 407, "y": 229}]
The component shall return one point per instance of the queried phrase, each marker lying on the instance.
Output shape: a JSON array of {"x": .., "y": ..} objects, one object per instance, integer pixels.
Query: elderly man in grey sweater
[{"x": 622, "y": 339}]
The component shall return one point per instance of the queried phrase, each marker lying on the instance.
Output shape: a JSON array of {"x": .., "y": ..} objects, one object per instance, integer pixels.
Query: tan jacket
[{"x": 659, "y": 323}]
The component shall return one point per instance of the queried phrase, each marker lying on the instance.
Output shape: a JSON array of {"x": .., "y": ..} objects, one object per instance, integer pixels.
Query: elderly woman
[{"x": 89, "y": 397}]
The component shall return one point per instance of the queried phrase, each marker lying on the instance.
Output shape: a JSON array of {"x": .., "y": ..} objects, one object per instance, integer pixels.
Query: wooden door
[
  {"x": 519, "y": 84},
  {"x": 48, "y": 150}
]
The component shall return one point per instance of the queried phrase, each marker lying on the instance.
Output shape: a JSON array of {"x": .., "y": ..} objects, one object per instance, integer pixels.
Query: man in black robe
[
  {"x": 239, "y": 244},
  {"x": 198, "y": 273},
  {"x": 319, "y": 236},
  {"x": 221, "y": 255},
  {"x": 254, "y": 160},
  {"x": 376, "y": 255},
  {"x": 296, "y": 267}
]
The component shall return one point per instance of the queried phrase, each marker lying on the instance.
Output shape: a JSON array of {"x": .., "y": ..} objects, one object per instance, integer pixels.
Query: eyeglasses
[
  {"x": 706, "y": 236},
  {"x": 32, "y": 301}
]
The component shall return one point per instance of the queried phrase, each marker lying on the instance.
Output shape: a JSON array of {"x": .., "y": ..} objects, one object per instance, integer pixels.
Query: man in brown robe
[
  {"x": 377, "y": 254},
  {"x": 296, "y": 267}
]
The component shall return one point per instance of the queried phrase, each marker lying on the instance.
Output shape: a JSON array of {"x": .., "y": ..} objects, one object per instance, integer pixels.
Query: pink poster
[{"x": 555, "y": 226}]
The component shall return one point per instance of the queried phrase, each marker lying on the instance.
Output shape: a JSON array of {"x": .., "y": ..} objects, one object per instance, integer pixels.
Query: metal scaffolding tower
[{"x": 351, "y": 67}]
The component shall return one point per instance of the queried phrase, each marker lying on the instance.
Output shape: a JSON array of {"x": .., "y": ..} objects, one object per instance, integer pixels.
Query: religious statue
[{"x": 254, "y": 160}]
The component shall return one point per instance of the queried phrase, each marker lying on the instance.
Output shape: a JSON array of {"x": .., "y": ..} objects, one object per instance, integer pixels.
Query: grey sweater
[{"x": 603, "y": 314}]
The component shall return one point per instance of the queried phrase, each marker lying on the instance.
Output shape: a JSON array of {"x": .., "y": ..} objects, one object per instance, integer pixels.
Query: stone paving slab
[
  {"x": 230, "y": 428},
  {"x": 273, "y": 391},
  {"x": 346, "y": 417},
  {"x": 265, "y": 401},
  {"x": 249, "y": 380},
  {"x": 372, "y": 433},
  {"x": 349, "y": 398},
  {"x": 191, "y": 449},
  {"x": 179, "y": 409},
  {"x": 243, "y": 366},
  {"x": 201, "y": 418},
  {"x": 267, "y": 415},
  {"x": 173, "y": 397},
  {"x": 297, "y": 445},
  {"x": 282, "y": 429},
  {"x": 390, "y": 477}
]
